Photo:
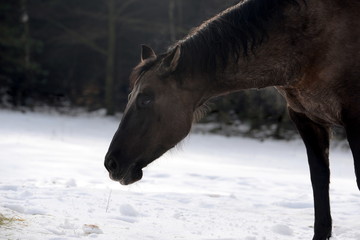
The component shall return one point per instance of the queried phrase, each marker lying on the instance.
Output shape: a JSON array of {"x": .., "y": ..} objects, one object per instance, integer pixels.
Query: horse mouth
[
  {"x": 127, "y": 173},
  {"x": 130, "y": 175}
]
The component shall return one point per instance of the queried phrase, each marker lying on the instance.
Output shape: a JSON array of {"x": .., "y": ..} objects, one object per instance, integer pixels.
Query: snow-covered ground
[{"x": 54, "y": 186}]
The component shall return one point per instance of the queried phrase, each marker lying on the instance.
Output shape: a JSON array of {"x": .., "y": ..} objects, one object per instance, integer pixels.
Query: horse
[{"x": 309, "y": 50}]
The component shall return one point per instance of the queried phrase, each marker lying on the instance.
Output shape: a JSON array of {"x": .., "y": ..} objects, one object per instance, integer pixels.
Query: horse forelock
[{"x": 140, "y": 69}]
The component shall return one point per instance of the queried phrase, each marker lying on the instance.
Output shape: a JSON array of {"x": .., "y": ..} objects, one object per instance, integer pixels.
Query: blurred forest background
[{"x": 79, "y": 53}]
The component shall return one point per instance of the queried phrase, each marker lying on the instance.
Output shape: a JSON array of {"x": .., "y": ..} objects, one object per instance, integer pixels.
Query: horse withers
[{"x": 308, "y": 49}]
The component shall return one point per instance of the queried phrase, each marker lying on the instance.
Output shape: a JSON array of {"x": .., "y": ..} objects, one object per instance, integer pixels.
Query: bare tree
[
  {"x": 172, "y": 24},
  {"x": 113, "y": 13}
]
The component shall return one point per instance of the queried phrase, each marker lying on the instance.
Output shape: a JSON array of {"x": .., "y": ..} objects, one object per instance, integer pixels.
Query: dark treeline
[{"x": 79, "y": 53}]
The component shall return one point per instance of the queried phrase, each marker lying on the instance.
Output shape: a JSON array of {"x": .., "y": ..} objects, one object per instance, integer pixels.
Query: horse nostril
[{"x": 111, "y": 165}]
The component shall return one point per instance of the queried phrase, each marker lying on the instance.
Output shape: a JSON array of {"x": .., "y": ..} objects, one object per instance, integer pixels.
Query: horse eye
[{"x": 143, "y": 101}]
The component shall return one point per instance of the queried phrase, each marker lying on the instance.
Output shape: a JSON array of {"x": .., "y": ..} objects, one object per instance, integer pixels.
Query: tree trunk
[
  {"x": 180, "y": 13},
  {"x": 26, "y": 34},
  {"x": 24, "y": 79},
  {"x": 172, "y": 27},
  {"x": 109, "y": 84}
]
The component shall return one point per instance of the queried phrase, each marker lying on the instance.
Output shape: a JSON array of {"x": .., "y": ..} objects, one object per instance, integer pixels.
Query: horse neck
[{"x": 276, "y": 62}]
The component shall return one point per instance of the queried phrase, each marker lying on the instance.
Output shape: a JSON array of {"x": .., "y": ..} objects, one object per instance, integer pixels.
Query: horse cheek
[{"x": 181, "y": 127}]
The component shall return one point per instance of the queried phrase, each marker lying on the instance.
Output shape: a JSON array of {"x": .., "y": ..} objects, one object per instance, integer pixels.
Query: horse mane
[{"x": 232, "y": 33}]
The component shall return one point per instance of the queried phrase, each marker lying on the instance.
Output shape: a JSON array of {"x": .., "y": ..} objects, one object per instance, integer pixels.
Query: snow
[{"x": 53, "y": 184}]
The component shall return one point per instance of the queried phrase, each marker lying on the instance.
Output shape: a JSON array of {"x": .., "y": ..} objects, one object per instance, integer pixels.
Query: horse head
[{"x": 158, "y": 115}]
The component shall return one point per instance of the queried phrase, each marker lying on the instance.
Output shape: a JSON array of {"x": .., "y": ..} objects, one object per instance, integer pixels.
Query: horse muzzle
[{"x": 124, "y": 173}]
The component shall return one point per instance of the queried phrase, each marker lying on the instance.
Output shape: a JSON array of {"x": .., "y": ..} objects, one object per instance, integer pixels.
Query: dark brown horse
[{"x": 308, "y": 49}]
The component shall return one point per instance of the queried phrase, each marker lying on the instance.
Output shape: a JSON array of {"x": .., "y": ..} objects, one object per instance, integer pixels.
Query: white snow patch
[
  {"x": 91, "y": 229},
  {"x": 67, "y": 225},
  {"x": 54, "y": 183},
  {"x": 283, "y": 230},
  {"x": 128, "y": 210},
  {"x": 16, "y": 208},
  {"x": 71, "y": 183},
  {"x": 35, "y": 211}
]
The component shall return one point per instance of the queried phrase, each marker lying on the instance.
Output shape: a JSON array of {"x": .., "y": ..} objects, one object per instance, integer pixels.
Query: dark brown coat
[{"x": 309, "y": 50}]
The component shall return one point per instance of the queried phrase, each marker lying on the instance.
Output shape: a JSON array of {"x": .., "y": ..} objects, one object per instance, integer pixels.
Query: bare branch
[
  {"x": 124, "y": 6},
  {"x": 79, "y": 37}
]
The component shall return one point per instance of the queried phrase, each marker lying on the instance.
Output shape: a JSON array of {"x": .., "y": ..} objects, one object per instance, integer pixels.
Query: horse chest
[{"x": 320, "y": 106}]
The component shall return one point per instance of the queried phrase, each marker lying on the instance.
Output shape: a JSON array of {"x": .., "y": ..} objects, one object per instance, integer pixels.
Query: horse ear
[
  {"x": 171, "y": 61},
  {"x": 147, "y": 52}
]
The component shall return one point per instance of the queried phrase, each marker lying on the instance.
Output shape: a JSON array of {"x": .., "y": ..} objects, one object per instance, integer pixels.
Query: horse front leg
[{"x": 316, "y": 139}]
